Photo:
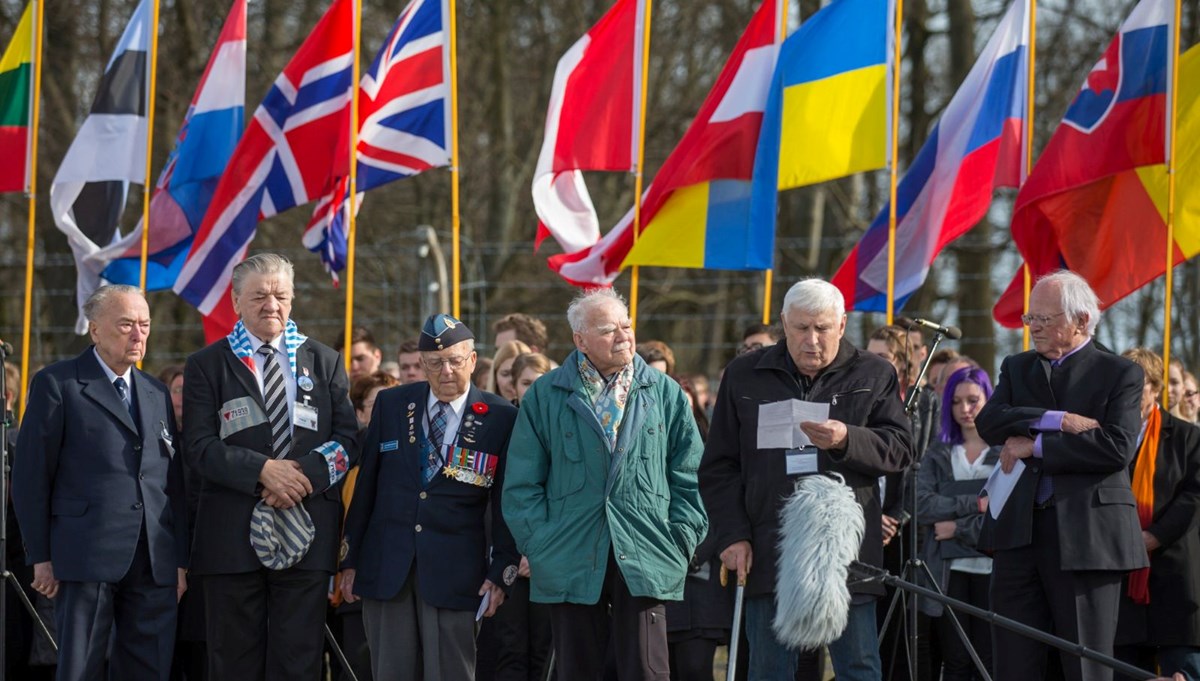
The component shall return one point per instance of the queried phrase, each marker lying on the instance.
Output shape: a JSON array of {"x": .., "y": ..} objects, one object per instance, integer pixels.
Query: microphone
[
  {"x": 821, "y": 530},
  {"x": 951, "y": 332}
]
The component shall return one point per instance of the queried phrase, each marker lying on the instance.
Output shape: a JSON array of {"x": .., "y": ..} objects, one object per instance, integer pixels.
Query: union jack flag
[
  {"x": 284, "y": 159},
  {"x": 404, "y": 122}
]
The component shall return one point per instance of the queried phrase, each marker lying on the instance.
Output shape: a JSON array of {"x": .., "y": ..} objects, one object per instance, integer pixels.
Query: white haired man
[
  {"x": 601, "y": 496},
  {"x": 1069, "y": 410},
  {"x": 865, "y": 436},
  {"x": 269, "y": 426}
]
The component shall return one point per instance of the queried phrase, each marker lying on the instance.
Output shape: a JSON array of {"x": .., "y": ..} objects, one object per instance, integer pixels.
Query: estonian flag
[{"x": 109, "y": 152}]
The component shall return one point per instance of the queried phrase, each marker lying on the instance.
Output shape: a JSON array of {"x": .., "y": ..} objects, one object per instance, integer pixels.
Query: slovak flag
[
  {"x": 403, "y": 118},
  {"x": 210, "y": 132},
  {"x": 1096, "y": 200},
  {"x": 696, "y": 213},
  {"x": 284, "y": 160},
  {"x": 975, "y": 148},
  {"x": 590, "y": 124}
]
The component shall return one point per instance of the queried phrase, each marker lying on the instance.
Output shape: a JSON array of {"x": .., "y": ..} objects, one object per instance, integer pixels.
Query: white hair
[
  {"x": 1078, "y": 298},
  {"x": 96, "y": 302},
  {"x": 814, "y": 296},
  {"x": 262, "y": 263},
  {"x": 581, "y": 307}
]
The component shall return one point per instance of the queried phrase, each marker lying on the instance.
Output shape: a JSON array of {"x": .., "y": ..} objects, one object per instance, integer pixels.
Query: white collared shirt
[
  {"x": 453, "y": 417},
  {"x": 281, "y": 358},
  {"x": 112, "y": 376}
]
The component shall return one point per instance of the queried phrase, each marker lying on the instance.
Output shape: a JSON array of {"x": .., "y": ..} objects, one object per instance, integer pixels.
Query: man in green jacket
[{"x": 600, "y": 494}]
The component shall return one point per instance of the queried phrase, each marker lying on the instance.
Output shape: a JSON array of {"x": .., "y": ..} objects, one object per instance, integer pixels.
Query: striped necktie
[
  {"x": 437, "y": 433},
  {"x": 275, "y": 399}
]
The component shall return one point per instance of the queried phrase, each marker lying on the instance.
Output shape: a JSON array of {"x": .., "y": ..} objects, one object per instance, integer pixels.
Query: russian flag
[
  {"x": 976, "y": 147},
  {"x": 697, "y": 211},
  {"x": 209, "y": 133},
  {"x": 1096, "y": 200}
]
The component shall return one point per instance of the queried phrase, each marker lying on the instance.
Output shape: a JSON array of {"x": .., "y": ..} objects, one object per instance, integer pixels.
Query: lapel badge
[
  {"x": 412, "y": 406},
  {"x": 305, "y": 383}
]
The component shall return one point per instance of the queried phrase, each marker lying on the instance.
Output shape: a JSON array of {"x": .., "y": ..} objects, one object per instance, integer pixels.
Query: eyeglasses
[
  {"x": 1040, "y": 319},
  {"x": 436, "y": 363}
]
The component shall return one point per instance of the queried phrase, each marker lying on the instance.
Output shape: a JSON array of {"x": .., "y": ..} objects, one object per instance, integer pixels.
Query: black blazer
[
  {"x": 1098, "y": 525},
  {"x": 1172, "y": 618},
  {"x": 229, "y": 463},
  {"x": 86, "y": 478},
  {"x": 396, "y": 521}
]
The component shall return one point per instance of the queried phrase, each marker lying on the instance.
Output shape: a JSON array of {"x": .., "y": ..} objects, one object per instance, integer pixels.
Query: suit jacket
[
  {"x": 229, "y": 453},
  {"x": 86, "y": 477},
  {"x": 1172, "y": 618},
  {"x": 396, "y": 521},
  {"x": 1098, "y": 525}
]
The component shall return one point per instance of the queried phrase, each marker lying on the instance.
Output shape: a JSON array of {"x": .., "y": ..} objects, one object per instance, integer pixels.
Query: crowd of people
[{"x": 533, "y": 515}]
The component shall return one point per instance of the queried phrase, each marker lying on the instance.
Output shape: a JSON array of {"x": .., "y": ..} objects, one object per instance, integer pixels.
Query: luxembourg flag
[
  {"x": 210, "y": 132},
  {"x": 976, "y": 147},
  {"x": 697, "y": 211}
]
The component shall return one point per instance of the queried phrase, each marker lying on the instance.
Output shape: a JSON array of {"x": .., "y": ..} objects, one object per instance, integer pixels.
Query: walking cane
[{"x": 736, "y": 634}]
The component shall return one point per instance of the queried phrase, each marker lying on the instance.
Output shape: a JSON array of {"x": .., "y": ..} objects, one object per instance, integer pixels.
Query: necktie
[
  {"x": 437, "y": 432},
  {"x": 123, "y": 392},
  {"x": 1045, "y": 488},
  {"x": 275, "y": 399}
]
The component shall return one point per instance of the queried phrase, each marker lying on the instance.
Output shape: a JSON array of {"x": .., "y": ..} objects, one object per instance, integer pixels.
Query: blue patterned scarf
[
  {"x": 239, "y": 342},
  {"x": 608, "y": 396}
]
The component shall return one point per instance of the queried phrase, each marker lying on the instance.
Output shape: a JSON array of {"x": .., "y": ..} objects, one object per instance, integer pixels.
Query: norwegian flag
[
  {"x": 404, "y": 122},
  {"x": 284, "y": 159}
]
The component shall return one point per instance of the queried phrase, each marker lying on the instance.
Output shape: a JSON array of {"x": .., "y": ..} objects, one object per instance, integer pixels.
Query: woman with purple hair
[{"x": 948, "y": 484}]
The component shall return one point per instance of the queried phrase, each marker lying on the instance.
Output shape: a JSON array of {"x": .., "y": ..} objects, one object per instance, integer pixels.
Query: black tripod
[
  {"x": 8, "y": 576},
  {"x": 914, "y": 567}
]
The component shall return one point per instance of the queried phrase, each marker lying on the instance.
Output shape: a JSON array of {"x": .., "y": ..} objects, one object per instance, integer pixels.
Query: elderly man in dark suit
[
  {"x": 98, "y": 493},
  {"x": 270, "y": 428},
  {"x": 1069, "y": 411},
  {"x": 433, "y": 462}
]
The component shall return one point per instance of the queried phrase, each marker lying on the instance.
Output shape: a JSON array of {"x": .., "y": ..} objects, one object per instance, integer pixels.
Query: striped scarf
[
  {"x": 1143, "y": 494},
  {"x": 239, "y": 342}
]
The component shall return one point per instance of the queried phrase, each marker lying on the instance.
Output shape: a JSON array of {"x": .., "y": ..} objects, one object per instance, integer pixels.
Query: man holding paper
[
  {"x": 1070, "y": 411},
  {"x": 812, "y": 404}
]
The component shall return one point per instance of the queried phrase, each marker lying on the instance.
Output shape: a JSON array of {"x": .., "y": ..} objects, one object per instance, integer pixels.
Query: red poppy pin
[{"x": 479, "y": 408}]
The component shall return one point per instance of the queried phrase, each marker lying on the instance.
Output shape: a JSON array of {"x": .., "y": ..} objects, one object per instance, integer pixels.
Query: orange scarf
[{"x": 1143, "y": 493}]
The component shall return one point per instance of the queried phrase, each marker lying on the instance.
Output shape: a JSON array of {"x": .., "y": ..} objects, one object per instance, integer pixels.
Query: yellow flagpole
[
  {"x": 352, "y": 189},
  {"x": 894, "y": 152},
  {"x": 455, "y": 215},
  {"x": 1173, "y": 122},
  {"x": 31, "y": 233},
  {"x": 1029, "y": 109},
  {"x": 148, "y": 182},
  {"x": 641, "y": 157},
  {"x": 768, "y": 276}
]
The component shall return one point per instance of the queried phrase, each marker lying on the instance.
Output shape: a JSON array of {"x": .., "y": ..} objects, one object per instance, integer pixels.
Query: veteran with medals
[
  {"x": 269, "y": 426},
  {"x": 416, "y": 550}
]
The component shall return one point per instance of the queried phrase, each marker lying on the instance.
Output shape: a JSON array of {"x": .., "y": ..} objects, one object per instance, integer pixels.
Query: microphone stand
[
  {"x": 870, "y": 573},
  {"x": 5, "y": 574},
  {"x": 914, "y": 566}
]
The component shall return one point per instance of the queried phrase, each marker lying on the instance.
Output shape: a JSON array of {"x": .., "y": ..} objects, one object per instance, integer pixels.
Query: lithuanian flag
[{"x": 15, "y": 76}]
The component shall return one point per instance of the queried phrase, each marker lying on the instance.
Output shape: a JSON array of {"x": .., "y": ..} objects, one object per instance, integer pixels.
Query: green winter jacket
[{"x": 568, "y": 502}]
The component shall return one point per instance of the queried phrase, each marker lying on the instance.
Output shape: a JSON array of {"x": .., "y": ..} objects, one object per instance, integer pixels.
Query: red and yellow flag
[{"x": 16, "y": 73}]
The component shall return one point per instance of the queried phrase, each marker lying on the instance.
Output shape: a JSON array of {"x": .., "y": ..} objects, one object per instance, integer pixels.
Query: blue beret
[{"x": 441, "y": 331}]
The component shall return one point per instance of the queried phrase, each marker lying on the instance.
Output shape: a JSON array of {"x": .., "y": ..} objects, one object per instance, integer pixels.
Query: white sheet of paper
[
  {"x": 779, "y": 423},
  {"x": 483, "y": 605},
  {"x": 999, "y": 487}
]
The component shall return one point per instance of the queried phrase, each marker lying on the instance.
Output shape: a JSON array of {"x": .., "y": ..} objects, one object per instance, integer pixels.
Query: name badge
[
  {"x": 802, "y": 461},
  {"x": 305, "y": 416},
  {"x": 389, "y": 446}
]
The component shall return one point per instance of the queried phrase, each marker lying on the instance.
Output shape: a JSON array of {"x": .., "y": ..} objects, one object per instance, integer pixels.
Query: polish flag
[{"x": 590, "y": 124}]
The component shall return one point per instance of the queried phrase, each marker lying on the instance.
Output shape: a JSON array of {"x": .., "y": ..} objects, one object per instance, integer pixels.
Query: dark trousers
[
  {"x": 135, "y": 616},
  {"x": 692, "y": 659},
  {"x": 522, "y": 634},
  {"x": 266, "y": 624},
  {"x": 1028, "y": 585},
  {"x": 956, "y": 660},
  {"x": 638, "y": 629}
]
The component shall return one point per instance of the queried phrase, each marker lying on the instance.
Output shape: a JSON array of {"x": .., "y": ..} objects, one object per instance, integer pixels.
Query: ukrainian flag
[{"x": 827, "y": 113}]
